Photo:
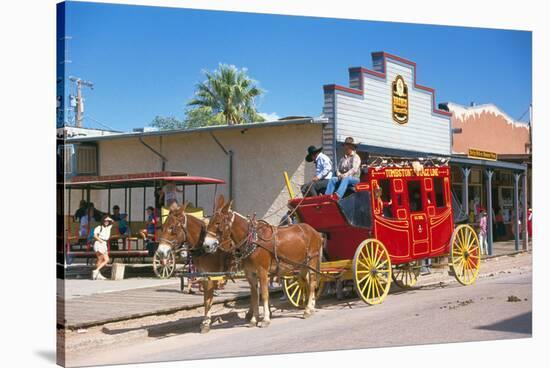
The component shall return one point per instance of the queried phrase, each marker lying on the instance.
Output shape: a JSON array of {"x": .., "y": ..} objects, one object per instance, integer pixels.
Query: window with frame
[
  {"x": 86, "y": 160},
  {"x": 439, "y": 191},
  {"x": 415, "y": 196},
  {"x": 386, "y": 197}
]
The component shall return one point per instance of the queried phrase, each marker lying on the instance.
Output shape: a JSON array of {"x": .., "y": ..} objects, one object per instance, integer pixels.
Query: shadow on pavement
[{"x": 522, "y": 323}]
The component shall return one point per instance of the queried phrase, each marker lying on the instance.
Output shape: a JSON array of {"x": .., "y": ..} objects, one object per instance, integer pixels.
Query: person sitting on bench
[
  {"x": 349, "y": 170},
  {"x": 323, "y": 172}
]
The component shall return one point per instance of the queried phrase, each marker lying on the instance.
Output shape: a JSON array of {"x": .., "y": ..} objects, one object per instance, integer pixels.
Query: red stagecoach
[
  {"x": 131, "y": 244},
  {"x": 397, "y": 215}
]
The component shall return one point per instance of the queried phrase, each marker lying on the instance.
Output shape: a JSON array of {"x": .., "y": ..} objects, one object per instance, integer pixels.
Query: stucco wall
[
  {"x": 487, "y": 128},
  {"x": 260, "y": 157}
]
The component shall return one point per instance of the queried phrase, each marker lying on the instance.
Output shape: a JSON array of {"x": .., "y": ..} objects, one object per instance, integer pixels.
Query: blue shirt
[{"x": 323, "y": 166}]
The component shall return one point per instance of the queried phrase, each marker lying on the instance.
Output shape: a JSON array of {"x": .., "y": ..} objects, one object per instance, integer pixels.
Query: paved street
[{"x": 431, "y": 314}]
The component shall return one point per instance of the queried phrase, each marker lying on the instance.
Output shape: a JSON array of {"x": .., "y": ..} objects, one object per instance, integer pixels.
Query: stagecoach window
[
  {"x": 357, "y": 208},
  {"x": 439, "y": 193},
  {"x": 385, "y": 185},
  {"x": 415, "y": 195}
]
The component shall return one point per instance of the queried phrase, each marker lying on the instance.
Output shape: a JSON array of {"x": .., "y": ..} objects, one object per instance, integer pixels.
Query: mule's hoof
[
  {"x": 307, "y": 314},
  {"x": 205, "y": 329},
  {"x": 248, "y": 316},
  {"x": 252, "y": 324},
  {"x": 264, "y": 324}
]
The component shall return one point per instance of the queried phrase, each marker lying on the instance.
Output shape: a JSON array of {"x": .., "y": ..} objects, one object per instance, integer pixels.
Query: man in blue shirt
[{"x": 323, "y": 172}]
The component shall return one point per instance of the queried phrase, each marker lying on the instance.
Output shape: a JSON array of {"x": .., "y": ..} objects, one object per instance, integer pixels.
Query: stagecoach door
[{"x": 418, "y": 218}]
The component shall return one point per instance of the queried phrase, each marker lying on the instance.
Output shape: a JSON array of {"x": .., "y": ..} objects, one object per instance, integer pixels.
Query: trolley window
[
  {"x": 415, "y": 196},
  {"x": 439, "y": 192}
]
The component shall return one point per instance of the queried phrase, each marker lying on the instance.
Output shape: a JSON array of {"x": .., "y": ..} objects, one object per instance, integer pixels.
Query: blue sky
[{"x": 146, "y": 61}]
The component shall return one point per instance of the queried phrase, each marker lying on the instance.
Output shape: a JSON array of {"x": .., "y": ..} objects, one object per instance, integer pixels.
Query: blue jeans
[{"x": 344, "y": 183}]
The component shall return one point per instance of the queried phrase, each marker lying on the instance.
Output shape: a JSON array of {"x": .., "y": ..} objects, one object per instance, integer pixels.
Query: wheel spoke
[
  {"x": 368, "y": 282},
  {"x": 294, "y": 292},
  {"x": 363, "y": 278},
  {"x": 362, "y": 264},
  {"x": 381, "y": 265}
]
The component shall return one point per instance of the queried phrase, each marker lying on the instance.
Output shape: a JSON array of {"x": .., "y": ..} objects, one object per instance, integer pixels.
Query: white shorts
[{"x": 100, "y": 247}]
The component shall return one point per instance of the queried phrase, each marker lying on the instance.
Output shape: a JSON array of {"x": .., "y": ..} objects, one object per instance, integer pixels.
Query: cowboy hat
[
  {"x": 311, "y": 150},
  {"x": 351, "y": 142}
]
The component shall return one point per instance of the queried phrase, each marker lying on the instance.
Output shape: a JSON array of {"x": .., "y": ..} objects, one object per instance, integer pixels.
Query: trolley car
[
  {"x": 396, "y": 216},
  {"x": 130, "y": 244}
]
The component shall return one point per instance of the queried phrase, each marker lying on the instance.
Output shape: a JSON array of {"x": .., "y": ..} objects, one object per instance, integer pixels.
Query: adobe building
[
  {"x": 487, "y": 129},
  {"x": 250, "y": 158}
]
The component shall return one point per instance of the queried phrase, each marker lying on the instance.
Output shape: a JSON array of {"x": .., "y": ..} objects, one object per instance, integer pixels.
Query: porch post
[
  {"x": 517, "y": 176},
  {"x": 525, "y": 214},
  {"x": 465, "y": 200},
  {"x": 489, "y": 176}
]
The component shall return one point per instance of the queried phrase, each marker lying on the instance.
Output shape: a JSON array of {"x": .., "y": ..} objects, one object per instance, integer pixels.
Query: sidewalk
[{"x": 88, "y": 303}]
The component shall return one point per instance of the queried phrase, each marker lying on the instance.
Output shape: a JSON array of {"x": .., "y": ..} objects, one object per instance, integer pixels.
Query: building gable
[{"x": 365, "y": 110}]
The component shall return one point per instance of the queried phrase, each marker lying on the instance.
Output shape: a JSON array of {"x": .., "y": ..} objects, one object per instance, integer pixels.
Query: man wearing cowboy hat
[
  {"x": 102, "y": 233},
  {"x": 323, "y": 171},
  {"x": 349, "y": 169}
]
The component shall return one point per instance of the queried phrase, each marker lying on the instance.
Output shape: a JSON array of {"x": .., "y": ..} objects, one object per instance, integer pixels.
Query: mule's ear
[
  {"x": 184, "y": 206},
  {"x": 220, "y": 201},
  {"x": 226, "y": 207}
]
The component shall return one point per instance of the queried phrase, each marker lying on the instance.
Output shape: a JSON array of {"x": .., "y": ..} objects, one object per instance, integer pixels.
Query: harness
[{"x": 253, "y": 241}]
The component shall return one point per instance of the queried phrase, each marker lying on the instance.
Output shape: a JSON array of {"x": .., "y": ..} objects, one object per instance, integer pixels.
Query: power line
[
  {"x": 100, "y": 123},
  {"x": 521, "y": 117}
]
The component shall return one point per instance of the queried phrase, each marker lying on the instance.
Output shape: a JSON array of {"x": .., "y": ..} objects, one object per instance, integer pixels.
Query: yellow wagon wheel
[
  {"x": 164, "y": 265},
  {"x": 372, "y": 271},
  {"x": 465, "y": 254},
  {"x": 296, "y": 290},
  {"x": 406, "y": 275}
]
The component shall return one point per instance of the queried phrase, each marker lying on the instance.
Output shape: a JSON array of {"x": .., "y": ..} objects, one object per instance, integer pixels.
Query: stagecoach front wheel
[
  {"x": 164, "y": 264},
  {"x": 296, "y": 290},
  {"x": 465, "y": 254},
  {"x": 372, "y": 271},
  {"x": 406, "y": 275}
]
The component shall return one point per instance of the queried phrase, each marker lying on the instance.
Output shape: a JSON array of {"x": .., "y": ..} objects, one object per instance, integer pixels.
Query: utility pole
[{"x": 79, "y": 100}]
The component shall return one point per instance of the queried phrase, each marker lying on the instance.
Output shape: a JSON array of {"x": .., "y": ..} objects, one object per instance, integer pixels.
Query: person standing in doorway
[
  {"x": 530, "y": 222},
  {"x": 482, "y": 235}
]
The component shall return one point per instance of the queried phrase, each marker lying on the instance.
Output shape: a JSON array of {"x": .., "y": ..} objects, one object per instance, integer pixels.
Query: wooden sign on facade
[
  {"x": 400, "y": 100},
  {"x": 484, "y": 155}
]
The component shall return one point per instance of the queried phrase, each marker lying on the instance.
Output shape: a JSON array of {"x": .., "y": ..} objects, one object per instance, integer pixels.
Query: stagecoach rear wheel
[
  {"x": 296, "y": 290},
  {"x": 164, "y": 265},
  {"x": 406, "y": 275},
  {"x": 465, "y": 254},
  {"x": 372, "y": 271}
]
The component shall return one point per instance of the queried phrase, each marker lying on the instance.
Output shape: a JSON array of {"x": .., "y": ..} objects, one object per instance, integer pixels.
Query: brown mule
[
  {"x": 182, "y": 229},
  {"x": 262, "y": 249}
]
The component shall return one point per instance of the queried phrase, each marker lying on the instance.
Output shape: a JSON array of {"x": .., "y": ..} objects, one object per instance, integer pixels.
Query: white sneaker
[
  {"x": 100, "y": 276},
  {"x": 94, "y": 274}
]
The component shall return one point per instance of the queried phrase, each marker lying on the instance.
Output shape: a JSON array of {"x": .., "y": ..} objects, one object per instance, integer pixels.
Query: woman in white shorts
[{"x": 102, "y": 233}]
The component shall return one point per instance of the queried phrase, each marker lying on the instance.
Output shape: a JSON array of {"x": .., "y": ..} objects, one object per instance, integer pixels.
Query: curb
[{"x": 159, "y": 312}]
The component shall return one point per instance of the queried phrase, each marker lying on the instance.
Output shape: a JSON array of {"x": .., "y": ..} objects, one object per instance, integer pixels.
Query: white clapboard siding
[{"x": 368, "y": 118}]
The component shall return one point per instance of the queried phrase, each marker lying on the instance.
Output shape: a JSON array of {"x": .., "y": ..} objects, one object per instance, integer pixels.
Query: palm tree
[{"x": 229, "y": 93}]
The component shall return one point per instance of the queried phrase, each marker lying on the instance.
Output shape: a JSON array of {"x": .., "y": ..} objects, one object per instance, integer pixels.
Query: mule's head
[
  {"x": 180, "y": 229},
  {"x": 218, "y": 231}
]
